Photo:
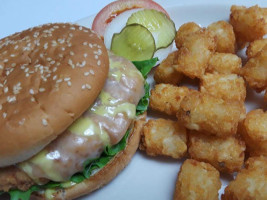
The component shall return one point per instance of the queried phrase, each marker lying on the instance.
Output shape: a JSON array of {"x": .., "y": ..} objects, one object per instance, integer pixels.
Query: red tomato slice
[{"x": 109, "y": 12}]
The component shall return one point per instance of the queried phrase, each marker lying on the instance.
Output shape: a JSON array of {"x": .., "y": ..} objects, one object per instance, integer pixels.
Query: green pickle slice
[
  {"x": 161, "y": 26},
  {"x": 134, "y": 42}
]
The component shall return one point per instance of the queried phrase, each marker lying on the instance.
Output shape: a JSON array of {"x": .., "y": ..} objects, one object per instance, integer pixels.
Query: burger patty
[
  {"x": 12, "y": 177},
  {"x": 105, "y": 123}
]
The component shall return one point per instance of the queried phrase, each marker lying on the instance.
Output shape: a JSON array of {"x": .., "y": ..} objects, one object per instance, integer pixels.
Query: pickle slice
[
  {"x": 161, "y": 27},
  {"x": 134, "y": 42}
]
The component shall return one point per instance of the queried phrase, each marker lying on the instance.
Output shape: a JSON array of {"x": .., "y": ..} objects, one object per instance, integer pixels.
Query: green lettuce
[
  {"x": 109, "y": 152},
  {"x": 23, "y": 195},
  {"x": 145, "y": 66},
  {"x": 143, "y": 103}
]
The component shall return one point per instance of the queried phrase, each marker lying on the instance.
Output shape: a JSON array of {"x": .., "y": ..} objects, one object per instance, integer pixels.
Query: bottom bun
[{"x": 107, "y": 173}]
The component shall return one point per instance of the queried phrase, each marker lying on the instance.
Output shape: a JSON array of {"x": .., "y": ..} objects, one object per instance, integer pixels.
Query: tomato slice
[{"x": 109, "y": 12}]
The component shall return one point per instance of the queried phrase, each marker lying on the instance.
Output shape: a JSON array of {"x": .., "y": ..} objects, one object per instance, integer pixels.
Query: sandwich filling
[{"x": 103, "y": 124}]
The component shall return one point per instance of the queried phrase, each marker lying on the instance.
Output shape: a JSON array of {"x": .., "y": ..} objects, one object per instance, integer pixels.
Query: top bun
[{"x": 49, "y": 75}]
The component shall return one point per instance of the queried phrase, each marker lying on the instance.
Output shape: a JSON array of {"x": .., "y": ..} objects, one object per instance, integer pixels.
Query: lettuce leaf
[
  {"x": 109, "y": 152},
  {"x": 23, "y": 195},
  {"x": 143, "y": 103},
  {"x": 145, "y": 66}
]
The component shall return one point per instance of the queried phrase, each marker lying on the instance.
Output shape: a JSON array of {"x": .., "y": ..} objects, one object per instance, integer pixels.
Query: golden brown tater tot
[
  {"x": 197, "y": 181},
  {"x": 164, "y": 137}
]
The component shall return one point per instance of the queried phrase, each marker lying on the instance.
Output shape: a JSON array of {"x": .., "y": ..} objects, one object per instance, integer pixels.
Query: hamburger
[{"x": 68, "y": 109}]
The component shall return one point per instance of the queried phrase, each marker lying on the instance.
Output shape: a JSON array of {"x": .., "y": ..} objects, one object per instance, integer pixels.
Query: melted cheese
[{"x": 105, "y": 123}]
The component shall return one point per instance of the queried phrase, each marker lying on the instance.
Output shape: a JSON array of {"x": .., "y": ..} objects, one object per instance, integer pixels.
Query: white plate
[{"x": 154, "y": 177}]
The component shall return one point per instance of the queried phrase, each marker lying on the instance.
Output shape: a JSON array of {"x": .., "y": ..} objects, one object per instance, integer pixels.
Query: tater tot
[
  {"x": 224, "y": 63},
  {"x": 195, "y": 53},
  {"x": 211, "y": 115},
  {"x": 254, "y": 132},
  {"x": 225, "y": 86},
  {"x": 166, "y": 73},
  {"x": 185, "y": 30},
  {"x": 250, "y": 183},
  {"x": 197, "y": 181},
  {"x": 255, "y": 71},
  {"x": 249, "y": 23},
  {"x": 225, "y": 154},
  {"x": 224, "y": 36},
  {"x": 255, "y": 47},
  {"x": 166, "y": 98},
  {"x": 164, "y": 137}
]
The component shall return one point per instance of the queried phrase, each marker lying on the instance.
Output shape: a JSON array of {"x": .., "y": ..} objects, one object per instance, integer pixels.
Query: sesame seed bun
[
  {"x": 49, "y": 76},
  {"x": 107, "y": 173}
]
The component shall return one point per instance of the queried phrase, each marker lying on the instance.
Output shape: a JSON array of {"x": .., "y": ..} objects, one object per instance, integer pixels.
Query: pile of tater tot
[{"x": 209, "y": 127}]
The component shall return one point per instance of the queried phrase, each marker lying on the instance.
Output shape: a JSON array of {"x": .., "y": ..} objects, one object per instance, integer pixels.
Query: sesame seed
[
  {"x": 63, "y": 48},
  {"x": 5, "y": 60},
  {"x": 17, "y": 88},
  {"x": 54, "y": 69},
  {"x": 31, "y": 91},
  {"x": 46, "y": 45},
  {"x": 71, "y": 53},
  {"x": 86, "y": 73},
  {"x": 11, "y": 99},
  {"x": 32, "y": 99},
  {"x": 69, "y": 83},
  {"x": 54, "y": 43},
  {"x": 44, "y": 121},
  {"x": 88, "y": 86},
  {"x": 12, "y": 55},
  {"x": 1, "y": 67},
  {"x": 90, "y": 45},
  {"x": 96, "y": 57},
  {"x": 21, "y": 122},
  {"x": 55, "y": 77},
  {"x": 92, "y": 71},
  {"x": 83, "y": 63},
  {"x": 70, "y": 34},
  {"x": 66, "y": 79},
  {"x": 6, "y": 90},
  {"x": 98, "y": 62},
  {"x": 4, "y": 115},
  {"x": 41, "y": 89},
  {"x": 59, "y": 81},
  {"x": 85, "y": 55},
  {"x": 17, "y": 46},
  {"x": 61, "y": 41},
  {"x": 13, "y": 64}
]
